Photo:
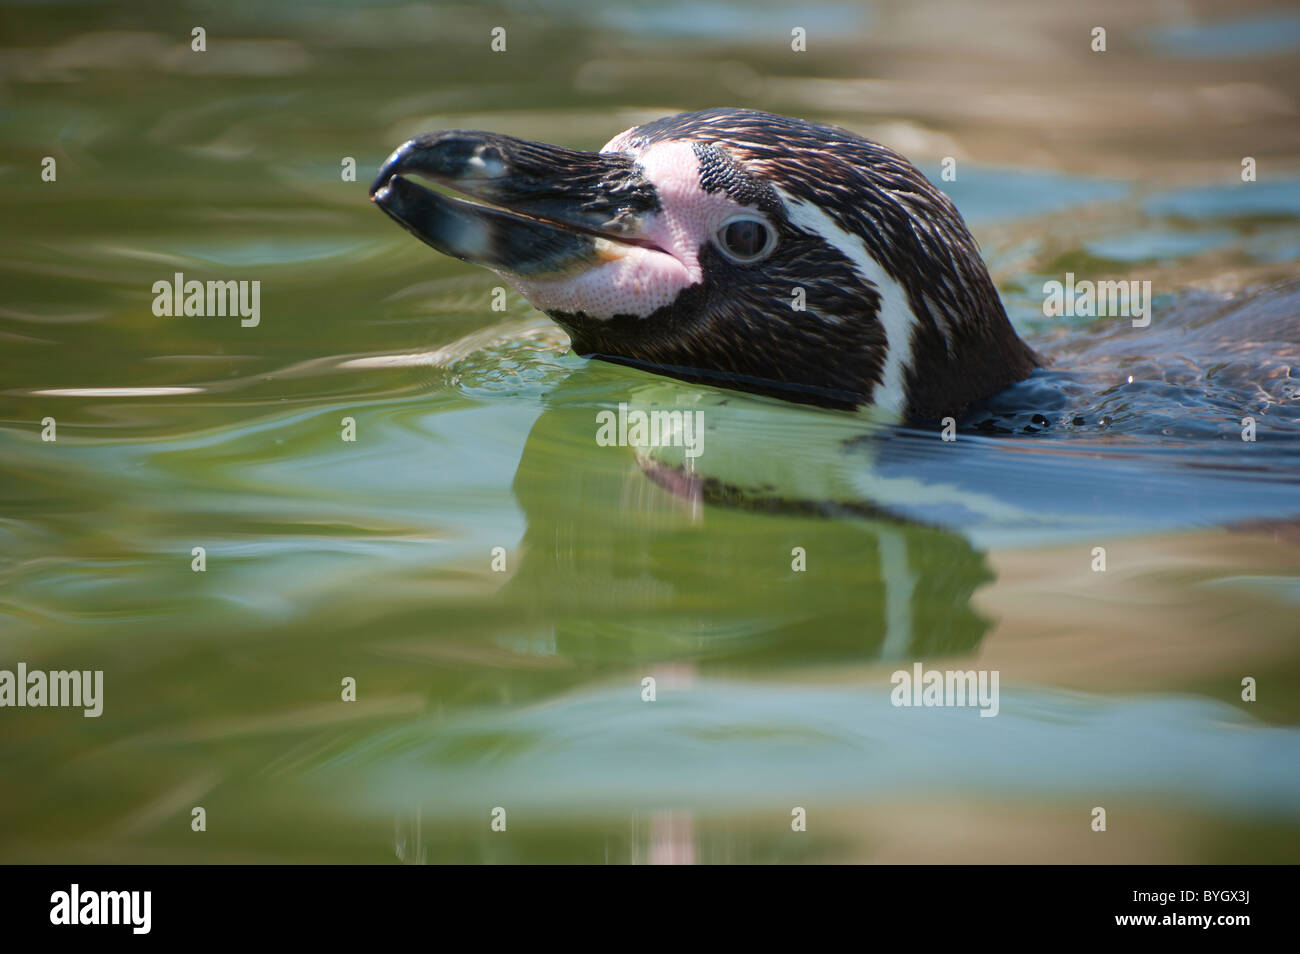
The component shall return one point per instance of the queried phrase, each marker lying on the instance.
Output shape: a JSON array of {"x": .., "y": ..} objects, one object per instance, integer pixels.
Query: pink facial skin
[{"x": 634, "y": 280}]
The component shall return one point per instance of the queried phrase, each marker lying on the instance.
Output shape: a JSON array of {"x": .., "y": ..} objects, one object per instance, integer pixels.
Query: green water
[{"x": 519, "y": 685}]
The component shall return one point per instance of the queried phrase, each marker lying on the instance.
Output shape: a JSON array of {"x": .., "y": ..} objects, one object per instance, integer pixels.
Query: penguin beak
[{"x": 546, "y": 210}]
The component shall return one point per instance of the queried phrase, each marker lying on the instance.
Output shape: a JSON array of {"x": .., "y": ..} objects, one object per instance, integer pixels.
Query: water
[{"x": 522, "y": 689}]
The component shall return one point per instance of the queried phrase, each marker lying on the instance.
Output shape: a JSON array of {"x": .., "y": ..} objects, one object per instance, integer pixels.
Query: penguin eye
[{"x": 746, "y": 239}]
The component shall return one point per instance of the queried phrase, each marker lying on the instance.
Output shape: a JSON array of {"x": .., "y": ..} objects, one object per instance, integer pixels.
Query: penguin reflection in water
[{"x": 763, "y": 254}]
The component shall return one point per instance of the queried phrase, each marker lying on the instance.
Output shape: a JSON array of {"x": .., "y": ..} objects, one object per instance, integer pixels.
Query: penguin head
[{"x": 735, "y": 247}]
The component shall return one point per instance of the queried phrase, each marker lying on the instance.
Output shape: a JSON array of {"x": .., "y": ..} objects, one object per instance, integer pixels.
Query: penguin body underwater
[{"x": 731, "y": 247}]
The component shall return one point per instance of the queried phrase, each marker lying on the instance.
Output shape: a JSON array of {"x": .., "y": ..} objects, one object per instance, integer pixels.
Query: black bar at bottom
[{"x": 332, "y": 903}]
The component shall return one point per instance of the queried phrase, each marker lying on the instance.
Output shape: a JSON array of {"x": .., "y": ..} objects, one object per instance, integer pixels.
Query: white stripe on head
[{"x": 896, "y": 316}]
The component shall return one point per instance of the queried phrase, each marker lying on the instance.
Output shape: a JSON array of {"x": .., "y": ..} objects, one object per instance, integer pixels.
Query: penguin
[
  {"x": 742, "y": 251},
  {"x": 731, "y": 247}
]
